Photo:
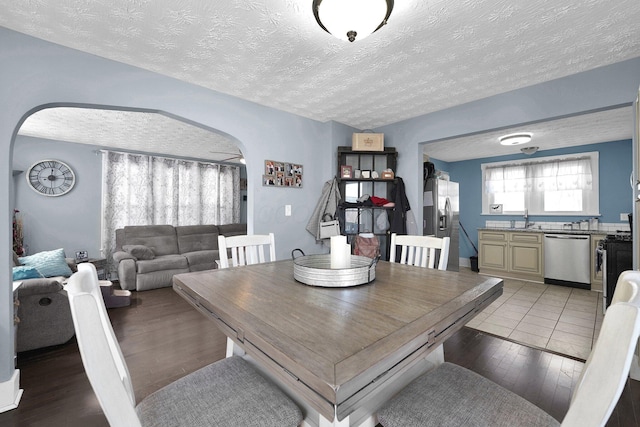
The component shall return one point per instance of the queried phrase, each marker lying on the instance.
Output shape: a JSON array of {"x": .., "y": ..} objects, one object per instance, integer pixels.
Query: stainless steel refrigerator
[{"x": 441, "y": 210}]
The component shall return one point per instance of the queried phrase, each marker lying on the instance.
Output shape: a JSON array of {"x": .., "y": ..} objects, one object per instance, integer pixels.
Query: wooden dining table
[{"x": 339, "y": 352}]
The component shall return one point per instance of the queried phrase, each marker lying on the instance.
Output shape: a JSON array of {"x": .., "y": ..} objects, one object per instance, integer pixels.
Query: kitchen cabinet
[
  {"x": 525, "y": 253},
  {"x": 492, "y": 252},
  {"x": 596, "y": 277},
  {"x": 519, "y": 254},
  {"x": 366, "y": 179}
]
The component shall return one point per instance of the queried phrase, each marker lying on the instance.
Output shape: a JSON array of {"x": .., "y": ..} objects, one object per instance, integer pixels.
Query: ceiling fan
[{"x": 233, "y": 156}]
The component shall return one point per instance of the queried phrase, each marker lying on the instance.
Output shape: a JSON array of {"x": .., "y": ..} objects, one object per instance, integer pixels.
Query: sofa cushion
[
  {"x": 139, "y": 251},
  {"x": 157, "y": 279},
  {"x": 160, "y": 238},
  {"x": 202, "y": 260},
  {"x": 192, "y": 238},
  {"x": 23, "y": 272},
  {"x": 48, "y": 263},
  {"x": 166, "y": 262},
  {"x": 233, "y": 229}
]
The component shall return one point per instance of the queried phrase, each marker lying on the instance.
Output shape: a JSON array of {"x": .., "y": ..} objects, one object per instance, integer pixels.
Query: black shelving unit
[{"x": 367, "y": 219}]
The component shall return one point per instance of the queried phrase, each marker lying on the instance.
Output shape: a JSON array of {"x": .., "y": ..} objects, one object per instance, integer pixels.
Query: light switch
[{"x": 287, "y": 210}]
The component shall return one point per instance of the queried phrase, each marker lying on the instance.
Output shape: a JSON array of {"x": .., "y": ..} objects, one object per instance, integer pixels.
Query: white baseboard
[{"x": 10, "y": 392}]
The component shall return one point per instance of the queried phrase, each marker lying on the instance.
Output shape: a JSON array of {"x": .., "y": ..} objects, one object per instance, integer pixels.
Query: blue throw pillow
[
  {"x": 48, "y": 263},
  {"x": 25, "y": 272}
]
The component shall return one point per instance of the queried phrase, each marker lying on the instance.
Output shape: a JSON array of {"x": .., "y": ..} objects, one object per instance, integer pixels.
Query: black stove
[
  {"x": 618, "y": 258},
  {"x": 619, "y": 237}
]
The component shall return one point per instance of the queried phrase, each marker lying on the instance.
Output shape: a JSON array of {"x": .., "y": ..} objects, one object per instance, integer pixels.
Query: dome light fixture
[
  {"x": 515, "y": 138},
  {"x": 529, "y": 150},
  {"x": 348, "y": 19}
]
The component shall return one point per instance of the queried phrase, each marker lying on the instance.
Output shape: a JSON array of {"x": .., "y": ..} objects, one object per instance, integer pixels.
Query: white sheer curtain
[
  {"x": 142, "y": 190},
  {"x": 562, "y": 175},
  {"x": 506, "y": 179},
  {"x": 573, "y": 174}
]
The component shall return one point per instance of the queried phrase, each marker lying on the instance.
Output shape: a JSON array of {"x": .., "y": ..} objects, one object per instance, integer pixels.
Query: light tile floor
[{"x": 557, "y": 318}]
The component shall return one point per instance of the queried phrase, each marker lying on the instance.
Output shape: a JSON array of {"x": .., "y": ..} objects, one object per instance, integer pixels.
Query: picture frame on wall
[{"x": 282, "y": 174}]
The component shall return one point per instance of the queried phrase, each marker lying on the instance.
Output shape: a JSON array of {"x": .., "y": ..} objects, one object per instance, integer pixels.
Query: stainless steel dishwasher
[{"x": 567, "y": 260}]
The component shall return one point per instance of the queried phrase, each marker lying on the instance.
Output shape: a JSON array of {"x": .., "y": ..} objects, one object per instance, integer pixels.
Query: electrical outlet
[
  {"x": 624, "y": 217},
  {"x": 287, "y": 210}
]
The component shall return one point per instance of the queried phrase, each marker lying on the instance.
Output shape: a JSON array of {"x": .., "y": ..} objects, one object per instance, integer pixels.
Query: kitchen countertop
[{"x": 534, "y": 229}]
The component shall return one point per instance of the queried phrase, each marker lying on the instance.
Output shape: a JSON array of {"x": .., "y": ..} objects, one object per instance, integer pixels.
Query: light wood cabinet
[
  {"x": 525, "y": 253},
  {"x": 517, "y": 253},
  {"x": 492, "y": 250},
  {"x": 596, "y": 277}
]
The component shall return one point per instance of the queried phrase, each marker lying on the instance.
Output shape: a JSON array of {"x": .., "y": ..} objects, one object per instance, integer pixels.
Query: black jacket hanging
[{"x": 399, "y": 197}]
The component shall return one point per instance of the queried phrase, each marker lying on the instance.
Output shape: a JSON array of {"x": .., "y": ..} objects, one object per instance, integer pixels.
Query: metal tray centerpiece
[{"x": 315, "y": 270}]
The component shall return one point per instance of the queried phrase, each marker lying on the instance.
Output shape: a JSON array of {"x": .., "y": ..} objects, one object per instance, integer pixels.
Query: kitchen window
[{"x": 558, "y": 185}]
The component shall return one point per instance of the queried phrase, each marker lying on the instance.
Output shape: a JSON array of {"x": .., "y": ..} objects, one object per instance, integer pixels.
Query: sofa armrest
[
  {"x": 122, "y": 255},
  {"x": 40, "y": 286},
  {"x": 71, "y": 262},
  {"x": 127, "y": 274}
]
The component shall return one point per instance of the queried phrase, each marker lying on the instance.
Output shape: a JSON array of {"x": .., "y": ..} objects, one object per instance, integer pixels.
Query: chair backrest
[
  {"x": 421, "y": 250},
  {"x": 627, "y": 288},
  {"x": 101, "y": 355},
  {"x": 605, "y": 373},
  {"x": 246, "y": 249}
]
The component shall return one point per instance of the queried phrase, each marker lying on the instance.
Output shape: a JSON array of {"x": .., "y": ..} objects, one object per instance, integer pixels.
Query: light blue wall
[
  {"x": 71, "y": 221},
  {"x": 601, "y": 88},
  {"x": 615, "y": 167},
  {"x": 36, "y": 74}
]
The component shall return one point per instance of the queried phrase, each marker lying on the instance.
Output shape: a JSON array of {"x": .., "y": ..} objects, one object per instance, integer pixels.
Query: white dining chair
[
  {"x": 451, "y": 395},
  {"x": 628, "y": 290},
  {"x": 421, "y": 251},
  {"x": 246, "y": 249},
  {"x": 226, "y": 393}
]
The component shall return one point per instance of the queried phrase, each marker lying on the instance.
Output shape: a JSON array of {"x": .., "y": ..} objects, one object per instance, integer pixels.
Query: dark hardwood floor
[{"x": 163, "y": 338}]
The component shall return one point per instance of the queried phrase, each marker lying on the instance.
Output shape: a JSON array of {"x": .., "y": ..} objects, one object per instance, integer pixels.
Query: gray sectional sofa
[
  {"x": 148, "y": 256},
  {"x": 44, "y": 313}
]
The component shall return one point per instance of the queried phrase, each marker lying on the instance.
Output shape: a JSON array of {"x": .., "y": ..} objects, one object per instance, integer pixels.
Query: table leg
[
  {"x": 232, "y": 349},
  {"x": 323, "y": 422},
  {"x": 437, "y": 355},
  {"x": 371, "y": 421},
  {"x": 229, "y": 347}
]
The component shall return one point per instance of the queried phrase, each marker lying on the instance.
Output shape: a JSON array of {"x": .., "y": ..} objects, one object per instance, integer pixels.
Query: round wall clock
[{"x": 51, "y": 178}]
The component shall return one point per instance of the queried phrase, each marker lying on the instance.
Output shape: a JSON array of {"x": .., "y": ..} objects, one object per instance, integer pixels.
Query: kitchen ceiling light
[
  {"x": 515, "y": 138},
  {"x": 529, "y": 150},
  {"x": 348, "y": 19}
]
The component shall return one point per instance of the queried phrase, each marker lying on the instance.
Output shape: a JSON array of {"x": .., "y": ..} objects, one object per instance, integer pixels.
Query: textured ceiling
[
  {"x": 132, "y": 131},
  {"x": 432, "y": 55},
  {"x": 603, "y": 126}
]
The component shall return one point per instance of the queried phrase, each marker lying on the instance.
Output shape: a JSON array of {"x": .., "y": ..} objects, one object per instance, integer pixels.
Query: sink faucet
[{"x": 527, "y": 224}]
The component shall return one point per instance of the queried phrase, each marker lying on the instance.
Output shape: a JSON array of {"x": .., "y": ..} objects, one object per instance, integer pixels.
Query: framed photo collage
[{"x": 282, "y": 174}]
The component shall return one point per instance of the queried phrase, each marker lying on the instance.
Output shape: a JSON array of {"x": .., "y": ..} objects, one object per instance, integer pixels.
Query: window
[
  {"x": 139, "y": 189},
  {"x": 559, "y": 185}
]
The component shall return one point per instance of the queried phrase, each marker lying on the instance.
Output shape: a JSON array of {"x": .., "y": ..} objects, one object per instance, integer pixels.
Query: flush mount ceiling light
[
  {"x": 529, "y": 150},
  {"x": 348, "y": 19},
  {"x": 515, "y": 138}
]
